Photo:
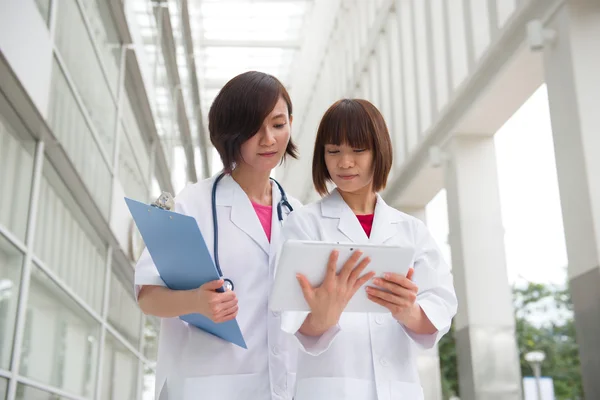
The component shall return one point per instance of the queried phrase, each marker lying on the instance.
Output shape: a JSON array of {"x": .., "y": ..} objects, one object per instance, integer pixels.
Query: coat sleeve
[
  {"x": 436, "y": 296},
  {"x": 297, "y": 227},
  {"x": 145, "y": 270}
]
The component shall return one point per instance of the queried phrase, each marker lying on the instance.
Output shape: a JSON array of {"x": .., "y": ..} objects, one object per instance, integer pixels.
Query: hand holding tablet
[{"x": 311, "y": 259}]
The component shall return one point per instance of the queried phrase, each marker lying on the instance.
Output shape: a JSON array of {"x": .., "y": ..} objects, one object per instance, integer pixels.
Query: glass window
[
  {"x": 70, "y": 127},
  {"x": 165, "y": 109},
  {"x": 130, "y": 175},
  {"x": 67, "y": 243},
  {"x": 123, "y": 311},
  {"x": 60, "y": 343},
  {"x": 11, "y": 261},
  {"x": 30, "y": 393},
  {"x": 105, "y": 36},
  {"x": 133, "y": 131},
  {"x": 119, "y": 375},
  {"x": 3, "y": 387},
  {"x": 151, "y": 326},
  {"x": 16, "y": 172},
  {"x": 148, "y": 383},
  {"x": 77, "y": 51}
]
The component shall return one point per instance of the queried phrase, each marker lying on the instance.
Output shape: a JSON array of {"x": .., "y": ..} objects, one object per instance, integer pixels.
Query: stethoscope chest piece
[{"x": 228, "y": 284}]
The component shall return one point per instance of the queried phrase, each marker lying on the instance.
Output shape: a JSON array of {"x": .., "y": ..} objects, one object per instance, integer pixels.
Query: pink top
[
  {"x": 366, "y": 221},
  {"x": 264, "y": 214}
]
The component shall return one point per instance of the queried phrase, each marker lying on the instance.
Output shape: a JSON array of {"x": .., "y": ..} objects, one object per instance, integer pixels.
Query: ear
[{"x": 291, "y": 120}]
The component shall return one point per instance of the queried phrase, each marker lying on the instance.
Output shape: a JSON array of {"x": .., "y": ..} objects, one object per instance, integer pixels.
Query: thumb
[
  {"x": 212, "y": 285},
  {"x": 307, "y": 289},
  {"x": 410, "y": 273}
]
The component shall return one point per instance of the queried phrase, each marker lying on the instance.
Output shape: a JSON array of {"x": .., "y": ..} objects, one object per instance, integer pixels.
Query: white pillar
[
  {"x": 571, "y": 65},
  {"x": 486, "y": 347},
  {"x": 429, "y": 360}
]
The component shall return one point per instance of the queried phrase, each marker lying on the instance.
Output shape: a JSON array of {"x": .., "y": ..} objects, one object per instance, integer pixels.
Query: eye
[
  {"x": 359, "y": 150},
  {"x": 331, "y": 151},
  {"x": 279, "y": 126}
]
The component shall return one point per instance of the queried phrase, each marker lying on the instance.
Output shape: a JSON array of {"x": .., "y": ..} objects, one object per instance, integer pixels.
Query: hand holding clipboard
[{"x": 179, "y": 252}]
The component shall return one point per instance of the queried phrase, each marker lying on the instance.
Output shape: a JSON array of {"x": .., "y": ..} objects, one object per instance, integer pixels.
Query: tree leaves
[{"x": 544, "y": 321}]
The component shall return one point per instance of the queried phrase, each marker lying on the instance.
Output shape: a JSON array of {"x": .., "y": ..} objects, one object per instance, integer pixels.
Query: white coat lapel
[
  {"x": 242, "y": 212},
  {"x": 334, "y": 206},
  {"x": 385, "y": 222}
]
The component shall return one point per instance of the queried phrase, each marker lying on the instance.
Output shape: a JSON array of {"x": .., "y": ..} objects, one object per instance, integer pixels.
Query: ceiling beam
[
  {"x": 216, "y": 83},
  {"x": 134, "y": 72},
  {"x": 254, "y": 2},
  {"x": 163, "y": 17},
  {"x": 188, "y": 42},
  {"x": 277, "y": 44},
  {"x": 381, "y": 19}
]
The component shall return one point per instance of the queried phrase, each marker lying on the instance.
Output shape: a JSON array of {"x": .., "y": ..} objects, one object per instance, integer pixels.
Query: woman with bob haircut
[
  {"x": 250, "y": 125},
  {"x": 364, "y": 356}
]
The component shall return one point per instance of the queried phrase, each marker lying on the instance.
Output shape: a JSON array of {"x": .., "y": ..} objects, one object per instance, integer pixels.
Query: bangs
[
  {"x": 256, "y": 99},
  {"x": 348, "y": 123}
]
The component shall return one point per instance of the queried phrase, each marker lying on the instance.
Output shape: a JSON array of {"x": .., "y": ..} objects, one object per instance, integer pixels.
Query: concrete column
[
  {"x": 429, "y": 360},
  {"x": 488, "y": 361},
  {"x": 571, "y": 66}
]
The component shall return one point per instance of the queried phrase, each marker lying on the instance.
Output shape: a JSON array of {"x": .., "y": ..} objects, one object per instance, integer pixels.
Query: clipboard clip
[{"x": 165, "y": 201}]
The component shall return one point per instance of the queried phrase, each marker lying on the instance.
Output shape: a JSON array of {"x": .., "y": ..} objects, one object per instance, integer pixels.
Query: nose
[
  {"x": 346, "y": 161},
  {"x": 268, "y": 138}
]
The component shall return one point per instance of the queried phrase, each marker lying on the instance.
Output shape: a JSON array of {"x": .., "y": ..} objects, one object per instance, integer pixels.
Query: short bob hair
[
  {"x": 358, "y": 124},
  {"x": 239, "y": 111}
]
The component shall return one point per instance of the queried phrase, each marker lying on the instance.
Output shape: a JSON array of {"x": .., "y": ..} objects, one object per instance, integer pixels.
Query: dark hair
[
  {"x": 360, "y": 125},
  {"x": 239, "y": 110}
]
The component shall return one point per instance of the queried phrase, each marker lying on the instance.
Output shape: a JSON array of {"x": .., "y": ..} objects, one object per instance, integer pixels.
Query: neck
[
  {"x": 361, "y": 202},
  {"x": 255, "y": 184}
]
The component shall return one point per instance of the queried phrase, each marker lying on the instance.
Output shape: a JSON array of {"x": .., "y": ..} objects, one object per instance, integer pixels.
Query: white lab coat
[
  {"x": 369, "y": 356},
  {"x": 197, "y": 365}
]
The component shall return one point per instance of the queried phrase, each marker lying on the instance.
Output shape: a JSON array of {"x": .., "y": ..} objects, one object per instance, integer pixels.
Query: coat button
[
  {"x": 275, "y": 314},
  {"x": 383, "y": 361},
  {"x": 379, "y": 319},
  {"x": 275, "y": 350}
]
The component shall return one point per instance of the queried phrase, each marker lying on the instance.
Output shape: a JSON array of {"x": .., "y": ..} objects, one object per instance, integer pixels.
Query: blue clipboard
[{"x": 180, "y": 254}]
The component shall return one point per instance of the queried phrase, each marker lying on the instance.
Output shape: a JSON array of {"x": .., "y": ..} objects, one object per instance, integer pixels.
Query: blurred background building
[{"x": 101, "y": 99}]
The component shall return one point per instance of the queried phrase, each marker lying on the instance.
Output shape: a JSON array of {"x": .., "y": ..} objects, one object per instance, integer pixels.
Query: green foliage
[
  {"x": 555, "y": 336},
  {"x": 448, "y": 364}
]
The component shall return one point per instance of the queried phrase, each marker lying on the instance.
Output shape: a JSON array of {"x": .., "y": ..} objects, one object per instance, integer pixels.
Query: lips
[
  {"x": 347, "y": 177},
  {"x": 268, "y": 154}
]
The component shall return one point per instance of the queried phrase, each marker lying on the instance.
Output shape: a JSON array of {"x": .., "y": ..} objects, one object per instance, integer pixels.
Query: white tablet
[{"x": 310, "y": 258}]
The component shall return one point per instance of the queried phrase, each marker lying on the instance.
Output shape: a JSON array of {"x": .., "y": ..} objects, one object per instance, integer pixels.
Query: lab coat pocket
[
  {"x": 334, "y": 389},
  {"x": 220, "y": 387},
  {"x": 406, "y": 391}
]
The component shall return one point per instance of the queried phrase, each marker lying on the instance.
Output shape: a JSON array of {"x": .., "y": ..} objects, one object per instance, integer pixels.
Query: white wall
[{"x": 25, "y": 43}]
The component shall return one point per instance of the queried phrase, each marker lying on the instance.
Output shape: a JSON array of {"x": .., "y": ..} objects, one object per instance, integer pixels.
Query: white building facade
[{"x": 101, "y": 99}]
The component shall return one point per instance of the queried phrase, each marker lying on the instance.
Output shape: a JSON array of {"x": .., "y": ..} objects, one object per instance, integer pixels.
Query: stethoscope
[{"x": 228, "y": 283}]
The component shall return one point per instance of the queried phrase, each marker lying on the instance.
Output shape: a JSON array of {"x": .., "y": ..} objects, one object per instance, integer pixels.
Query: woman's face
[
  {"x": 350, "y": 169},
  {"x": 264, "y": 151}
]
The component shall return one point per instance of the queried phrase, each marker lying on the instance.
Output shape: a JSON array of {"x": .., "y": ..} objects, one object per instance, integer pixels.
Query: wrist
[
  {"x": 416, "y": 320},
  {"x": 315, "y": 325},
  {"x": 409, "y": 316},
  {"x": 193, "y": 302}
]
